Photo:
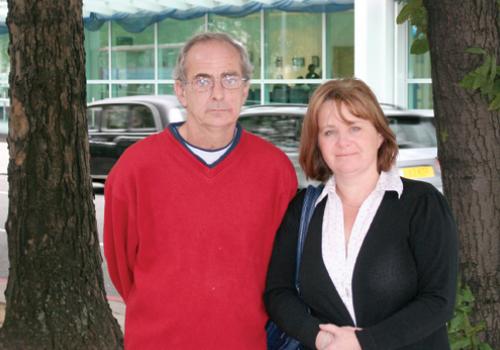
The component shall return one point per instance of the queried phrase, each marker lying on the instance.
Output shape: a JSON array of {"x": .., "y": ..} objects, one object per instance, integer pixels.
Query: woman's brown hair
[{"x": 361, "y": 102}]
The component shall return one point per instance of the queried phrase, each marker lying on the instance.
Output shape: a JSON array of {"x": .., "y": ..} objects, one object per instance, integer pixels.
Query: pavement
[{"x": 116, "y": 303}]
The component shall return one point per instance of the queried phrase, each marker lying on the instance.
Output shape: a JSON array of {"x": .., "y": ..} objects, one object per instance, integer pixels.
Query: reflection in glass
[
  {"x": 420, "y": 96},
  {"x": 246, "y": 30},
  {"x": 172, "y": 34},
  {"x": 281, "y": 130},
  {"x": 132, "y": 89},
  {"x": 166, "y": 89},
  {"x": 292, "y": 43},
  {"x": 413, "y": 132},
  {"x": 132, "y": 54},
  {"x": 419, "y": 66},
  {"x": 340, "y": 44},
  {"x": 97, "y": 92},
  {"x": 253, "y": 95},
  {"x": 96, "y": 53},
  {"x": 293, "y": 93},
  {"x": 4, "y": 58}
]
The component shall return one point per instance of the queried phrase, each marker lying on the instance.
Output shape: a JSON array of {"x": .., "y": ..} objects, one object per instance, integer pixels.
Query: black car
[{"x": 116, "y": 123}]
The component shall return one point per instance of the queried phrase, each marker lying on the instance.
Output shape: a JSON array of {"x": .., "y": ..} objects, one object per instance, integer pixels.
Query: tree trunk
[
  {"x": 55, "y": 293},
  {"x": 469, "y": 151}
]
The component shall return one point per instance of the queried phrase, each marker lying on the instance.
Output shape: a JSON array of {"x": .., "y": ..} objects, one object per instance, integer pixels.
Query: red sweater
[{"x": 188, "y": 246}]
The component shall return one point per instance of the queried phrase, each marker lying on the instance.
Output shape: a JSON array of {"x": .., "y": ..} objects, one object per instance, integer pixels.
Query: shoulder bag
[{"x": 276, "y": 338}]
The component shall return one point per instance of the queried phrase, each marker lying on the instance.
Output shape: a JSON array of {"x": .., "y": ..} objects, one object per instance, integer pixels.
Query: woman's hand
[
  {"x": 323, "y": 339},
  {"x": 339, "y": 338}
]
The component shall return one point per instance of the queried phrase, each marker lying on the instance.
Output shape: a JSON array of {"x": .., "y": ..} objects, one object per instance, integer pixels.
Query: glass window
[
  {"x": 166, "y": 89},
  {"x": 4, "y": 91},
  {"x": 93, "y": 117},
  {"x": 141, "y": 118},
  {"x": 246, "y": 30},
  {"x": 292, "y": 43},
  {"x": 172, "y": 34},
  {"x": 277, "y": 93},
  {"x": 132, "y": 54},
  {"x": 288, "y": 93},
  {"x": 420, "y": 96},
  {"x": 413, "y": 132},
  {"x": 4, "y": 58},
  {"x": 419, "y": 66},
  {"x": 96, "y": 53},
  {"x": 253, "y": 95},
  {"x": 340, "y": 44},
  {"x": 281, "y": 130},
  {"x": 132, "y": 89},
  {"x": 115, "y": 117},
  {"x": 97, "y": 92}
]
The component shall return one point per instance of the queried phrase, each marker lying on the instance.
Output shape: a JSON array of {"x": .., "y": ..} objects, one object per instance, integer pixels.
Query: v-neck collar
[{"x": 187, "y": 158}]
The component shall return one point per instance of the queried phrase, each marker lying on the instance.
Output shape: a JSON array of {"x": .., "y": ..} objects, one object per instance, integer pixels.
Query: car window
[
  {"x": 141, "y": 117},
  {"x": 93, "y": 114},
  {"x": 281, "y": 130},
  {"x": 413, "y": 131},
  {"x": 115, "y": 117}
]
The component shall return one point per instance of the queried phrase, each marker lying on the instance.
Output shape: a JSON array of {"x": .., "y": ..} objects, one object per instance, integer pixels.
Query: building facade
[{"x": 292, "y": 53}]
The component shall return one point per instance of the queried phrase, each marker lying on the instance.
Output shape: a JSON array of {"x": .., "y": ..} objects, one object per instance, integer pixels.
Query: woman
[{"x": 379, "y": 264}]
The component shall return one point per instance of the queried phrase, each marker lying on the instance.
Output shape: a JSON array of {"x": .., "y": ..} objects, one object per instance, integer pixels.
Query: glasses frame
[{"x": 212, "y": 80}]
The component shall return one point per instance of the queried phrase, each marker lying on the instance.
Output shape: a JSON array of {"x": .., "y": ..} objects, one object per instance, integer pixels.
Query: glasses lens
[
  {"x": 202, "y": 83},
  {"x": 231, "y": 82}
]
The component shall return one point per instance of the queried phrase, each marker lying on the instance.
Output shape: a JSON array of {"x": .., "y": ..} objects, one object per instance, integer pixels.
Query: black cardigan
[{"x": 404, "y": 279}]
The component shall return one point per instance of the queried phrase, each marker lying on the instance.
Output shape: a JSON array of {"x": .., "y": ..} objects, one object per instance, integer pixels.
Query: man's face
[{"x": 217, "y": 106}]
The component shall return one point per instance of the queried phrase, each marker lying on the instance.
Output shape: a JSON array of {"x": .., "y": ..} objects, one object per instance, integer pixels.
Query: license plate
[{"x": 418, "y": 172}]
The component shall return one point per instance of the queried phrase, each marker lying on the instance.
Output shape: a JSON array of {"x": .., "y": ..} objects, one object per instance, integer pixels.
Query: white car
[{"x": 415, "y": 133}]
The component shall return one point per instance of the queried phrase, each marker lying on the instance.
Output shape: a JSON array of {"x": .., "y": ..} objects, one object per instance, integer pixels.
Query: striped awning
[{"x": 136, "y": 15}]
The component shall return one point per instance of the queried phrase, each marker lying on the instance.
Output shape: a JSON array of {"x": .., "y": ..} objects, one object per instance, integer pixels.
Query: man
[{"x": 191, "y": 213}]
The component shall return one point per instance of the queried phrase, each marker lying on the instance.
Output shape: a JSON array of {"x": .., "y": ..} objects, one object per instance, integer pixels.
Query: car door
[{"x": 118, "y": 127}]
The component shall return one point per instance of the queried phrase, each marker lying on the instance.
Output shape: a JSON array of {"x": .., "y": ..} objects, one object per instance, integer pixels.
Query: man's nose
[{"x": 217, "y": 90}]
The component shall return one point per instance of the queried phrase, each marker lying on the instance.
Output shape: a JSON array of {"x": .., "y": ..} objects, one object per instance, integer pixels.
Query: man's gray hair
[{"x": 180, "y": 67}]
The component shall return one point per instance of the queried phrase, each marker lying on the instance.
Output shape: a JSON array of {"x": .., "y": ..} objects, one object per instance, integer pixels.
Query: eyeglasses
[{"x": 206, "y": 83}]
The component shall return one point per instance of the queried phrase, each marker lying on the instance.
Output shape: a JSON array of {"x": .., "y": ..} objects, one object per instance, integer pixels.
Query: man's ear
[{"x": 180, "y": 92}]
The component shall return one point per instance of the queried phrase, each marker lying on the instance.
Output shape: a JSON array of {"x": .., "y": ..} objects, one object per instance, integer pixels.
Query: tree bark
[
  {"x": 469, "y": 151},
  {"x": 55, "y": 293}
]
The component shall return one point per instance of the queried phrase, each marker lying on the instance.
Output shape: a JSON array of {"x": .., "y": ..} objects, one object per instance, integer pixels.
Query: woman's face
[{"x": 349, "y": 146}]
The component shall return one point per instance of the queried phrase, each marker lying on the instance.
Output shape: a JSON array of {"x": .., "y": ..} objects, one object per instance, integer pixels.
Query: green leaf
[
  {"x": 479, "y": 81},
  {"x": 495, "y": 104},
  {"x": 467, "y": 82},
  {"x": 404, "y": 14},
  {"x": 493, "y": 68},
  {"x": 484, "y": 346},
  {"x": 476, "y": 51},
  {"x": 444, "y": 135},
  {"x": 419, "y": 46},
  {"x": 463, "y": 343}
]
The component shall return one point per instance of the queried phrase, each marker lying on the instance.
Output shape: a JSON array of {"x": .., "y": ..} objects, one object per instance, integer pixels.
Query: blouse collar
[{"x": 387, "y": 181}]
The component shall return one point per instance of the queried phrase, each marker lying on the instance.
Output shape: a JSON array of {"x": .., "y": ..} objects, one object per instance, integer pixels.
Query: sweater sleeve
[
  {"x": 282, "y": 301},
  {"x": 120, "y": 239},
  {"x": 433, "y": 240}
]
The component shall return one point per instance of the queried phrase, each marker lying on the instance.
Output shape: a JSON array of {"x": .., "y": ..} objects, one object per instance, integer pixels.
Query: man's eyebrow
[
  {"x": 230, "y": 73},
  {"x": 203, "y": 75}
]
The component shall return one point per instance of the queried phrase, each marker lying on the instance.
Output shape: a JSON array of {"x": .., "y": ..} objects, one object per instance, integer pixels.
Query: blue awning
[{"x": 136, "y": 15}]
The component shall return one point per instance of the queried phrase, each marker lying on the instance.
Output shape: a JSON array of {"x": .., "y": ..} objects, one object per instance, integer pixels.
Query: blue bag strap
[{"x": 312, "y": 194}]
